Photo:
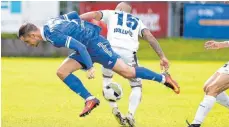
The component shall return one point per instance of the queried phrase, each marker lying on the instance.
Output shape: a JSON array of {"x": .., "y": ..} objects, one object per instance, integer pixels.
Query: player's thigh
[
  {"x": 218, "y": 82},
  {"x": 212, "y": 80},
  {"x": 222, "y": 82},
  {"x": 130, "y": 58},
  {"x": 103, "y": 54},
  {"x": 126, "y": 55},
  {"x": 69, "y": 65},
  {"x": 123, "y": 69},
  {"x": 218, "y": 85}
]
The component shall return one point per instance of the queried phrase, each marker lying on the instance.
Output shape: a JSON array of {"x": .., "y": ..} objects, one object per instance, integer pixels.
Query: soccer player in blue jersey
[{"x": 71, "y": 32}]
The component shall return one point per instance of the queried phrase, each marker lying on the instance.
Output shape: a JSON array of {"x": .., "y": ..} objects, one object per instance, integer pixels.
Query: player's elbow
[{"x": 147, "y": 34}]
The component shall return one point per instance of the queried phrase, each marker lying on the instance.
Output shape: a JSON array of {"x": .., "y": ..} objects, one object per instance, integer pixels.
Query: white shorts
[
  {"x": 224, "y": 69},
  {"x": 130, "y": 58}
]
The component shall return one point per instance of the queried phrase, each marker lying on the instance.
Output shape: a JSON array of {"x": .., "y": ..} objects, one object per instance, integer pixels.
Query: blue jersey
[{"x": 70, "y": 31}]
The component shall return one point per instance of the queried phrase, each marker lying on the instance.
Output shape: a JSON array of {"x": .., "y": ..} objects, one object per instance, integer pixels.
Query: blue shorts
[{"x": 100, "y": 51}]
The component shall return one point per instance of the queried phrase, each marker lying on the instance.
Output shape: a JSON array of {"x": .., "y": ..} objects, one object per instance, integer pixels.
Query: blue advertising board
[
  {"x": 14, "y": 6},
  {"x": 210, "y": 21}
]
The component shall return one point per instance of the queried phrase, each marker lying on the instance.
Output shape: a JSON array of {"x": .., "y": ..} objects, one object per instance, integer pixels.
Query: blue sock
[
  {"x": 144, "y": 73},
  {"x": 76, "y": 85}
]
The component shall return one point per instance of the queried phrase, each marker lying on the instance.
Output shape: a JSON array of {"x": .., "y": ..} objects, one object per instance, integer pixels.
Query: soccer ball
[{"x": 112, "y": 92}]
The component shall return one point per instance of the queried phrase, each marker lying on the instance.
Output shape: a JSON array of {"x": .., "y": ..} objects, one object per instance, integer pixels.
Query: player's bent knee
[
  {"x": 128, "y": 73},
  {"x": 206, "y": 85},
  {"x": 211, "y": 90},
  {"x": 62, "y": 74},
  {"x": 205, "y": 88}
]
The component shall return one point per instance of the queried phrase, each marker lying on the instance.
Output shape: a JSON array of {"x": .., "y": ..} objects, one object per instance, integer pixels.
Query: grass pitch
[{"x": 33, "y": 96}]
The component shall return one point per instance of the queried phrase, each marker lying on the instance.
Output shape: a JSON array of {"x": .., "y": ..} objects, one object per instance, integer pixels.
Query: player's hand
[
  {"x": 164, "y": 63},
  {"x": 91, "y": 73},
  {"x": 212, "y": 45}
]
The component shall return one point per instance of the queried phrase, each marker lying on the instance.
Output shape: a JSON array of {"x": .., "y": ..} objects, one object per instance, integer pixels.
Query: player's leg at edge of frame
[
  {"x": 65, "y": 74},
  {"x": 214, "y": 89}
]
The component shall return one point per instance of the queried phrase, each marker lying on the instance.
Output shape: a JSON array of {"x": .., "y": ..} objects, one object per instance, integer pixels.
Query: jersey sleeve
[
  {"x": 70, "y": 16},
  {"x": 141, "y": 28},
  {"x": 106, "y": 15},
  {"x": 60, "y": 40}
]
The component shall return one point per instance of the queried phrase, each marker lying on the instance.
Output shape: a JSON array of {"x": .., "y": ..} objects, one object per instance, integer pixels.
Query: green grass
[
  {"x": 33, "y": 96},
  {"x": 175, "y": 49},
  {"x": 8, "y": 36},
  {"x": 182, "y": 49}
]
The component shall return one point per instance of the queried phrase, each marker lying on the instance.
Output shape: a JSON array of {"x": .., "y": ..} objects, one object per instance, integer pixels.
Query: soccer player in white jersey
[
  {"x": 123, "y": 32},
  {"x": 214, "y": 87}
]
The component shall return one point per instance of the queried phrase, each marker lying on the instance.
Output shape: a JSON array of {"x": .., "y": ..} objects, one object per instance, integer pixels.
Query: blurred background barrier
[
  {"x": 165, "y": 19},
  {"x": 153, "y": 14},
  {"x": 15, "y": 13},
  {"x": 206, "y": 21},
  {"x": 15, "y": 47}
]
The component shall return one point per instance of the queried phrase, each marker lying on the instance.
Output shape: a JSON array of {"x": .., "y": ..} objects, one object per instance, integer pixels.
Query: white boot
[
  {"x": 130, "y": 120},
  {"x": 118, "y": 116}
]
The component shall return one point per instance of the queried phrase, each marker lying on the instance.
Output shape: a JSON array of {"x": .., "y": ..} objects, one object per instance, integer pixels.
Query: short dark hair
[{"x": 26, "y": 28}]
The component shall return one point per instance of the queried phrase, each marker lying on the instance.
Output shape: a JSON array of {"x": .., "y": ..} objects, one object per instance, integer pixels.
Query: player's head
[
  {"x": 124, "y": 6},
  {"x": 30, "y": 34}
]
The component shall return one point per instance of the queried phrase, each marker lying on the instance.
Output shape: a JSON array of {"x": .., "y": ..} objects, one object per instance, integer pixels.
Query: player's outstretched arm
[
  {"x": 153, "y": 42},
  {"x": 216, "y": 45},
  {"x": 78, "y": 46},
  {"x": 97, "y": 15},
  {"x": 61, "y": 40},
  {"x": 155, "y": 45},
  {"x": 70, "y": 16}
]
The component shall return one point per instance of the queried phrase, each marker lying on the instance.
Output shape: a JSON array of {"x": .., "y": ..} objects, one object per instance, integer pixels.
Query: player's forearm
[
  {"x": 153, "y": 43},
  {"x": 70, "y": 16},
  {"x": 77, "y": 46},
  {"x": 86, "y": 58},
  {"x": 224, "y": 44},
  {"x": 90, "y": 15}
]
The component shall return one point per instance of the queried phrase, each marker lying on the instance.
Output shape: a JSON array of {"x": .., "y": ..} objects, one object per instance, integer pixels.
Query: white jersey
[
  {"x": 224, "y": 69},
  {"x": 123, "y": 29}
]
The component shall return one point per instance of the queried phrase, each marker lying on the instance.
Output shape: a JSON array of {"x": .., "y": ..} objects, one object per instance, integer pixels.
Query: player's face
[{"x": 31, "y": 40}]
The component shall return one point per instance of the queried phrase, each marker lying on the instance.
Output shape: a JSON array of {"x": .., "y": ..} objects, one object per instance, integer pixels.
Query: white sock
[
  {"x": 106, "y": 81},
  {"x": 134, "y": 99},
  {"x": 90, "y": 98},
  {"x": 163, "y": 79},
  {"x": 204, "y": 107},
  {"x": 223, "y": 99},
  {"x": 113, "y": 104}
]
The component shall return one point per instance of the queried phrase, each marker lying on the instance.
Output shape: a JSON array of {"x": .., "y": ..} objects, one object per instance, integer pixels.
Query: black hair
[{"x": 26, "y": 28}]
